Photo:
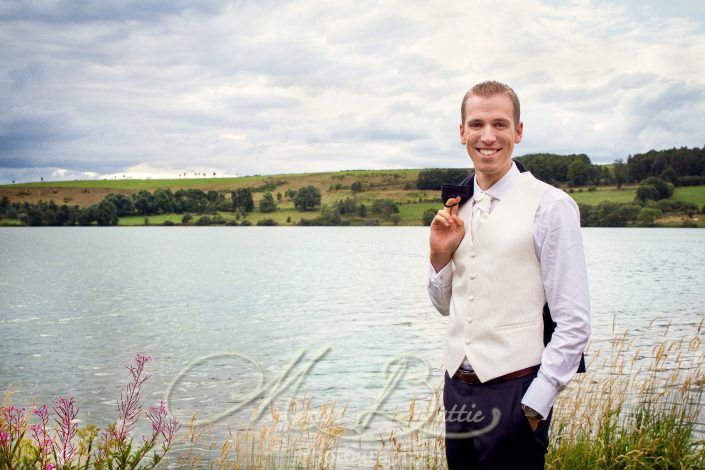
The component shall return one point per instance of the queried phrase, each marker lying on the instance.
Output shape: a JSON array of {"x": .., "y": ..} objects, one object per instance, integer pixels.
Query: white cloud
[{"x": 269, "y": 87}]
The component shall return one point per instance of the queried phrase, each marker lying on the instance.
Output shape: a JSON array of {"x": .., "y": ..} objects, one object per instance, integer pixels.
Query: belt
[{"x": 471, "y": 378}]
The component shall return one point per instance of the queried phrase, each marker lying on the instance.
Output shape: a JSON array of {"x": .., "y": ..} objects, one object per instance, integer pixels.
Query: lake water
[{"x": 213, "y": 305}]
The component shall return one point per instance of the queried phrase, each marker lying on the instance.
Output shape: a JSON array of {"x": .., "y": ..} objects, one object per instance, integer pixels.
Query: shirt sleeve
[
  {"x": 559, "y": 245},
  {"x": 440, "y": 287}
]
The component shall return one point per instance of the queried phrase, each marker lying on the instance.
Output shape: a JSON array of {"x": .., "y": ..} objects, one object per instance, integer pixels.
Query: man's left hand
[{"x": 534, "y": 423}]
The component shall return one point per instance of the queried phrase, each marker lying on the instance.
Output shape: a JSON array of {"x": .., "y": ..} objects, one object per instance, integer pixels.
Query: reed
[{"x": 633, "y": 409}]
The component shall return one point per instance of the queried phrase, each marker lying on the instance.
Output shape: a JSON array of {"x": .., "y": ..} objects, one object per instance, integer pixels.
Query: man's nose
[{"x": 487, "y": 135}]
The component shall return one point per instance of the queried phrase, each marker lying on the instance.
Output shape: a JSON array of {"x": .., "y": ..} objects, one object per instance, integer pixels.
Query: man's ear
[
  {"x": 519, "y": 133},
  {"x": 462, "y": 135}
]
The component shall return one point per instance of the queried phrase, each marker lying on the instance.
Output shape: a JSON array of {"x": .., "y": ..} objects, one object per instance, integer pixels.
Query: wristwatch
[{"x": 529, "y": 412}]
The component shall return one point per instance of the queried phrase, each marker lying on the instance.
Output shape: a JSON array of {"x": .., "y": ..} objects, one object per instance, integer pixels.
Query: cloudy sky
[{"x": 98, "y": 88}]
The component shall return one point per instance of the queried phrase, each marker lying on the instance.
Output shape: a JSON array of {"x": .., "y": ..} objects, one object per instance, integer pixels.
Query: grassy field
[{"x": 612, "y": 194}]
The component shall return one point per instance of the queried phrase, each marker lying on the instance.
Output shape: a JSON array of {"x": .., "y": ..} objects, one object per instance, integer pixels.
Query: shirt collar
[{"x": 500, "y": 188}]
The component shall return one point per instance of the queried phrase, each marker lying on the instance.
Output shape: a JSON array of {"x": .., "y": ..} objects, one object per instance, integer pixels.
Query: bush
[
  {"x": 647, "y": 216},
  {"x": 186, "y": 218},
  {"x": 246, "y": 223},
  {"x": 208, "y": 220},
  {"x": 267, "y": 222},
  {"x": 384, "y": 207},
  {"x": 653, "y": 188},
  {"x": 168, "y": 223},
  {"x": 428, "y": 216},
  {"x": 608, "y": 214},
  {"x": 356, "y": 187}
]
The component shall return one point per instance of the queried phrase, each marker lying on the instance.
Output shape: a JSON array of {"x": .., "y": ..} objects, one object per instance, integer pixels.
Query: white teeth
[{"x": 488, "y": 151}]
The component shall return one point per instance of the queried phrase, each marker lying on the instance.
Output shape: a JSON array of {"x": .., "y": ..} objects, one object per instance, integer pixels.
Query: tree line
[
  {"x": 679, "y": 166},
  {"x": 194, "y": 201}
]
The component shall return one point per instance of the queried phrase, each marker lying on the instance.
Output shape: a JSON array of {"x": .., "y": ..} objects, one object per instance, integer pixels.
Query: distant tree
[
  {"x": 619, "y": 173},
  {"x": 186, "y": 218},
  {"x": 164, "y": 201},
  {"x": 395, "y": 219},
  {"x": 242, "y": 200},
  {"x": 4, "y": 205},
  {"x": 106, "y": 213},
  {"x": 143, "y": 202},
  {"x": 86, "y": 216},
  {"x": 578, "y": 173},
  {"x": 307, "y": 198},
  {"x": 123, "y": 204},
  {"x": 267, "y": 203},
  {"x": 669, "y": 175},
  {"x": 279, "y": 197}
]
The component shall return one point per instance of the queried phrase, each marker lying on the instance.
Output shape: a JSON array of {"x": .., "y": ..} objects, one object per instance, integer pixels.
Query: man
[{"x": 497, "y": 261}]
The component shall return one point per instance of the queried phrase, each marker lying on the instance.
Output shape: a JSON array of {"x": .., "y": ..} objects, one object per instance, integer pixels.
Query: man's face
[{"x": 489, "y": 135}]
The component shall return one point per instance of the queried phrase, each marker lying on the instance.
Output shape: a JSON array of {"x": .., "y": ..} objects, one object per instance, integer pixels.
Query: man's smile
[{"x": 488, "y": 152}]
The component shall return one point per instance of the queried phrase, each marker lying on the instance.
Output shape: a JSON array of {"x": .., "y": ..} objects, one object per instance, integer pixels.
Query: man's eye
[
  {"x": 475, "y": 125},
  {"x": 501, "y": 125}
]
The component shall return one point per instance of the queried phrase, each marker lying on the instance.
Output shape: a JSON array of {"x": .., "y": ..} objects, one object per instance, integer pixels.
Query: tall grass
[{"x": 633, "y": 409}]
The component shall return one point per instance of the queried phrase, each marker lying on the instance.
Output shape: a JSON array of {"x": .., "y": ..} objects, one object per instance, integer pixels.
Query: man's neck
[{"x": 485, "y": 181}]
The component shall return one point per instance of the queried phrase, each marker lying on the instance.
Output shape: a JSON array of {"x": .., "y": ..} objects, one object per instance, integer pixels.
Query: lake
[{"x": 222, "y": 309}]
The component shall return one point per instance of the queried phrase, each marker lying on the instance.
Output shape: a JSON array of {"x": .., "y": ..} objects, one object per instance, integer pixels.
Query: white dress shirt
[{"x": 559, "y": 247}]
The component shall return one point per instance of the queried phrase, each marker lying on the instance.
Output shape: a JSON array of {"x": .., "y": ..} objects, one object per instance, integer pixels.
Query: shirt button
[
  {"x": 469, "y": 319},
  {"x": 472, "y": 277},
  {"x": 472, "y": 254},
  {"x": 471, "y": 298},
  {"x": 467, "y": 341}
]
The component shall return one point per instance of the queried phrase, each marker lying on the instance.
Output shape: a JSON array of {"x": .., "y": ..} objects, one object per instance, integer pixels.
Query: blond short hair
[{"x": 489, "y": 88}]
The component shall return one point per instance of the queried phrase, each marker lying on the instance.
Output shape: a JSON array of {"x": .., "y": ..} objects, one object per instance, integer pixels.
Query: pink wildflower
[
  {"x": 129, "y": 407},
  {"x": 15, "y": 419},
  {"x": 160, "y": 425},
  {"x": 67, "y": 428}
]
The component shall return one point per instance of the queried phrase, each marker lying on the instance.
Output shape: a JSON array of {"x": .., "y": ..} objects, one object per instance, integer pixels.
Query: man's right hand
[{"x": 447, "y": 231}]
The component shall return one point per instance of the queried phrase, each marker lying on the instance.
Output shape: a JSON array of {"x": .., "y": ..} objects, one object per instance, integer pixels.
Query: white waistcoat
[{"x": 496, "y": 310}]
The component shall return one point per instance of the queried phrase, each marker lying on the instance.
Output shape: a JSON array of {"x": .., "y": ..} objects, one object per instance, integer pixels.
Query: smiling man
[{"x": 499, "y": 259}]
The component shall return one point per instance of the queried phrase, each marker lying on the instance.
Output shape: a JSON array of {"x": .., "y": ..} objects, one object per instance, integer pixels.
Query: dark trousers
[{"x": 486, "y": 427}]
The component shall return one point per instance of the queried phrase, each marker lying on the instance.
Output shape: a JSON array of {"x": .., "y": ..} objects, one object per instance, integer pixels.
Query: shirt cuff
[
  {"x": 443, "y": 278},
  {"x": 540, "y": 396}
]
